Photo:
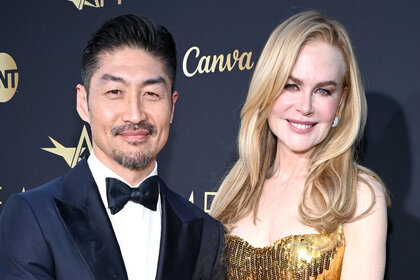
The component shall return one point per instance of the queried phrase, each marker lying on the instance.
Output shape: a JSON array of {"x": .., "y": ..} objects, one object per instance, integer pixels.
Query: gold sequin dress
[{"x": 295, "y": 257}]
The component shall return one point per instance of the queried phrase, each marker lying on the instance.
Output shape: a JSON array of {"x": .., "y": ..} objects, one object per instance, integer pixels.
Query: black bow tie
[{"x": 119, "y": 193}]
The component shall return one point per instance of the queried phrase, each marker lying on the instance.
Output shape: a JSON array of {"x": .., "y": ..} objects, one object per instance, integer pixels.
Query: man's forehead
[{"x": 110, "y": 65}]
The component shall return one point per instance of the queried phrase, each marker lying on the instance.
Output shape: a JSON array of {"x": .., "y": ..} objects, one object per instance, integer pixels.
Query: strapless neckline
[
  {"x": 274, "y": 243},
  {"x": 311, "y": 256}
]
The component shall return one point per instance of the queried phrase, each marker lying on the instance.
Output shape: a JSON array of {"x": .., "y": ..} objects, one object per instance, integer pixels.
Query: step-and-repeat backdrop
[{"x": 42, "y": 136}]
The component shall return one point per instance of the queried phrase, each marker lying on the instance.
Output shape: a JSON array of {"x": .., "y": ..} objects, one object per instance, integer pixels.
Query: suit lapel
[
  {"x": 85, "y": 219},
  {"x": 180, "y": 239}
]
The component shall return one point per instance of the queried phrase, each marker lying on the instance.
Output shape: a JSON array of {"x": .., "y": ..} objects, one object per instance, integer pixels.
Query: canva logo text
[{"x": 193, "y": 63}]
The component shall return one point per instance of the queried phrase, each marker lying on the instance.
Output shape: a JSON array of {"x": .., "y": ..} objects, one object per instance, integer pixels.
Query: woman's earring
[{"x": 335, "y": 122}]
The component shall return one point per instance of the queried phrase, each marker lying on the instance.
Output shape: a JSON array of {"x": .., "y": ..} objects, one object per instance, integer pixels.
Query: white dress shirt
[{"x": 137, "y": 228}]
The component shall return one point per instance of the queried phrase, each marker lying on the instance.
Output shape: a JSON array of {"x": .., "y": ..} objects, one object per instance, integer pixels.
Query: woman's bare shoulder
[{"x": 371, "y": 193}]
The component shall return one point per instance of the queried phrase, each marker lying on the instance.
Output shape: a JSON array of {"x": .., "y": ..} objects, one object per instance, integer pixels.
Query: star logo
[
  {"x": 92, "y": 3},
  {"x": 71, "y": 155}
]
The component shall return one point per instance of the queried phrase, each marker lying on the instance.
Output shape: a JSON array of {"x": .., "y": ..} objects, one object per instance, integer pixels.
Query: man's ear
[
  {"x": 82, "y": 103},
  {"x": 174, "y": 99}
]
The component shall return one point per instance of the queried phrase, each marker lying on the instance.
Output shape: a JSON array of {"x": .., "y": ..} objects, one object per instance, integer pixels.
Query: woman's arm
[{"x": 365, "y": 252}]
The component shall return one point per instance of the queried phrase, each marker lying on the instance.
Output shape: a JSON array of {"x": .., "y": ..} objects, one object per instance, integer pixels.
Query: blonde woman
[{"x": 296, "y": 205}]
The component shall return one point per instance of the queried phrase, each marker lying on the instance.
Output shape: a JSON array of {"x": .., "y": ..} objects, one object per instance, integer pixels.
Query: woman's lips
[{"x": 301, "y": 126}]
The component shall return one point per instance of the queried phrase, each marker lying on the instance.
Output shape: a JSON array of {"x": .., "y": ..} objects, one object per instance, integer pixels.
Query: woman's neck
[{"x": 289, "y": 164}]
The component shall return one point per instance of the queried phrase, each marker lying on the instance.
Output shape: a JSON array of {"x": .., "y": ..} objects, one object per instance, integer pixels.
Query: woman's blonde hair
[{"x": 333, "y": 172}]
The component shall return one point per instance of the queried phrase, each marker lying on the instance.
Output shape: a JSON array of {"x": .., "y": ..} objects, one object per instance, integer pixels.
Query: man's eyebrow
[
  {"x": 157, "y": 80},
  {"x": 151, "y": 81},
  {"x": 109, "y": 77}
]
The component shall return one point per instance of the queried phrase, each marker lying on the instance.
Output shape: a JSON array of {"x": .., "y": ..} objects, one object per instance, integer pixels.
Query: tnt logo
[
  {"x": 9, "y": 77},
  {"x": 91, "y": 3}
]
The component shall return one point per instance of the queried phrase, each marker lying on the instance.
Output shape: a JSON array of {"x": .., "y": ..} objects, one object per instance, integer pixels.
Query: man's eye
[
  {"x": 114, "y": 91},
  {"x": 152, "y": 94}
]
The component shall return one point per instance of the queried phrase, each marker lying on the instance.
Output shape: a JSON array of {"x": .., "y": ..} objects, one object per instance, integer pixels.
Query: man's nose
[{"x": 134, "y": 109}]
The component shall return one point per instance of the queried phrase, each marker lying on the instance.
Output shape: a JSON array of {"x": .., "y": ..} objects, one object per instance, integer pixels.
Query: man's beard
[{"x": 133, "y": 160}]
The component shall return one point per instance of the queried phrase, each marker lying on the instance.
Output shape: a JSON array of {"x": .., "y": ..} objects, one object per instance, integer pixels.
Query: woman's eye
[
  {"x": 291, "y": 87},
  {"x": 324, "y": 91}
]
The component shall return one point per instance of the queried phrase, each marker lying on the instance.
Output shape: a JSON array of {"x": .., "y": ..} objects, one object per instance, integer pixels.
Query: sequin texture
[{"x": 295, "y": 257}]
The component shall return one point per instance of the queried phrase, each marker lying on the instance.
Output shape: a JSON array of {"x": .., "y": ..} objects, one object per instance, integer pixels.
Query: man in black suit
[{"x": 111, "y": 216}]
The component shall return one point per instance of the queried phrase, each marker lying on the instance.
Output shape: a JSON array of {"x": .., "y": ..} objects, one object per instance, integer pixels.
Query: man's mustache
[{"x": 151, "y": 129}]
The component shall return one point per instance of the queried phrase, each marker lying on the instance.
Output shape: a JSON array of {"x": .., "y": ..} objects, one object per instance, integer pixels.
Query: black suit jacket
[{"x": 61, "y": 231}]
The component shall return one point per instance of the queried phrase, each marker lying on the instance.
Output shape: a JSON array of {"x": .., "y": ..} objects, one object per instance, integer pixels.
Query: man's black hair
[{"x": 130, "y": 31}]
